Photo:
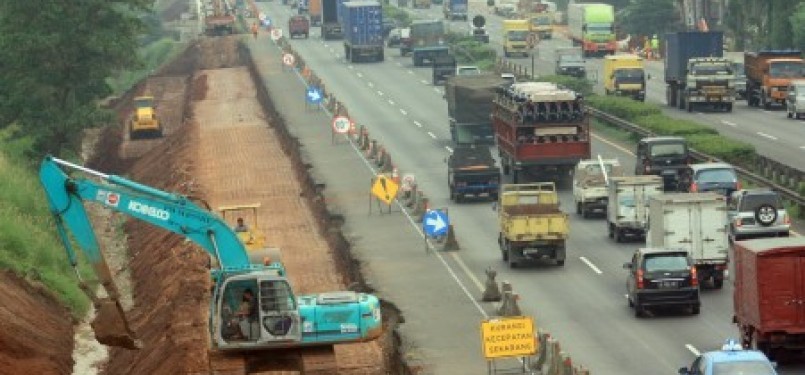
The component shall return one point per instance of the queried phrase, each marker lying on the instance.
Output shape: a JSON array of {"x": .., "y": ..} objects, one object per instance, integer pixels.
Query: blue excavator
[{"x": 281, "y": 319}]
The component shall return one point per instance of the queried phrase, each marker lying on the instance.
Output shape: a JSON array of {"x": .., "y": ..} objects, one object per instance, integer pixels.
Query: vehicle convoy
[
  {"x": 540, "y": 17},
  {"x": 298, "y": 25},
  {"x": 471, "y": 171},
  {"x": 696, "y": 73},
  {"x": 330, "y": 25},
  {"x": 443, "y": 66},
  {"x": 795, "y": 102},
  {"x": 696, "y": 223},
  {"x": 144, "y": 122},
  {"x": 757, "y": 213},
  {"x": 662, "y": 278},
  {"x": 769, "y": 294},
  {"x": 363, "y": 31},
  {"x": 592, "y": 27},
  {"x": 666, "y": 157},
  {"x": 469, "y": 103},
  {"x": 627, "y": 205},
  {"x": 731, "y": 359},
  {"x": 570, "y": 62},
  {"x": 455, "y": 9},
  {"x": 768, "y": 74},
  {"x": 314, "y": 12},
  {"x": 590, "y": 180},
  {"x": 515, "y": 38},
  {"x": 219, "y": 18},
  {"x": 428, "y": 40},
  {"x": 531, "y": 225},
  {"x": 478, "y": 31},
  {"x": 625, "y": 75},
  {"x": 540, "y": 129},
  {"x": 284, "y": 320}
]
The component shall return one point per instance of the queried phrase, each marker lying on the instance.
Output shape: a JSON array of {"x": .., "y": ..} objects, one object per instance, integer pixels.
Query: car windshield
[
  {"x": 468, "y": 71},
  {"x": 800, "y": 90},
  {"x": 752, "y": 201},
  {"x": 787, "y": 69},
  {"x": 541, "y": 21},
  {"x": 666, "y": 262},
  {"x": 743, "y": 368},
  {"x": 668, "y": 149},
  {"x": 596, "y": 168},
  {"x": 518, "y": 35},
  {"x": 599, "y": 28},
  {"x": 632, "y": 73},
  {"x": 571, "y": 59},
  {"x": 716, "y": 175}
]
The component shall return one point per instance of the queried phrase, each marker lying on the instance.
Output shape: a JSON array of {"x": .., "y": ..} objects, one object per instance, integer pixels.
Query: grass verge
[{"x": 153, "y": 55}]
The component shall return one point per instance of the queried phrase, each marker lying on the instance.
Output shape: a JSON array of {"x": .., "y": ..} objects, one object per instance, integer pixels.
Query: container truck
[
  {"x": 625, "y": 75},
  {"x": 627, "y": 205},
  {"x": 427, "y": 41},
  {"x": 330, "y": 26},
  {"x": 769, "y": 294},
  {"x": 455, "y": 10},
  {"x": 515, "y": 38},
  {"x": 768, "y": 74},
  {"x": 696, "y": 222},
  {"x": 592, "y": 26},
  {"x": 540, "y": 129},
  {"x": 469, "y": 103},
  {"x": 471, "y": 171},
  {"x": 531, "y": 225},
  {"x": 696, "y": 73},
  {"x": 314, "y": 12},
  {"x": 363, "y": 31}
]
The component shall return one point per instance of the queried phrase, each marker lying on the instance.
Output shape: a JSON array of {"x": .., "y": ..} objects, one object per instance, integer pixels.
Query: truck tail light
[
  {"x": 640, "y": 282},
  {"x": 739, "y": 186},
  {"x": 787, "y": 220},
  {"x": 694, "y": 188},
  {"x": 694, "y": 276},
  {"x": 647, "y": 167}
]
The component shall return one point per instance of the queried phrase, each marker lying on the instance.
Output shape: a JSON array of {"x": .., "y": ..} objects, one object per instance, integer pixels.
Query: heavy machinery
[
  {"x": 219, "y": 18},
  {"x": 769, "y": 73},
  {"x": 283, "y": 320},
  {"x": 144, "y": 122}
]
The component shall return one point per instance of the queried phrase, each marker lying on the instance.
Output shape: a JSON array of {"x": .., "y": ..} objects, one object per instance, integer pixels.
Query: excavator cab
[
  {"x": 144, "y": 122},
  {"x": 253, "y": 238}
]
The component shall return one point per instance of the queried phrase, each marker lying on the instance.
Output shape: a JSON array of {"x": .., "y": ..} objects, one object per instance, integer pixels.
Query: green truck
[
  {"x": 428, "y": 40},
  {"x": 592, "y": 27}
]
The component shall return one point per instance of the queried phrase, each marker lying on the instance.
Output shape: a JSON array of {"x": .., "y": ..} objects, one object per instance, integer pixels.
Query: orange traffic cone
[{"x": 394, "y": 175}]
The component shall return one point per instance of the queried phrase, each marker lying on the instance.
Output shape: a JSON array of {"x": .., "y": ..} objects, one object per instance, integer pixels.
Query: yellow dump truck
[
  {"x": 515, "y": 37},
  {"x": 625, "y": 75},
  {"x": 144, "y": 122},
  {"x": 531, "y": 225}
]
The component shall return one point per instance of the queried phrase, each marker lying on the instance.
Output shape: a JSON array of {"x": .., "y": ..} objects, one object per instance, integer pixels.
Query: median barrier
[
  {"x": 371, "y": 153},
  {"x": 381, "y": 156},
  {"x": 509, "y": 305},
  {"x": 420, "y": 207},
  {"x": 413, "y": 196},
  {"x": 491, "y": 289},
  {"x": 386, "y": 166}
]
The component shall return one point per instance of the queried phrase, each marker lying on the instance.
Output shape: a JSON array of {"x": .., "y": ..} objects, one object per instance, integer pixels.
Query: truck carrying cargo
[
  {"x": 330, "y": 25},
  {"x": 428, "y": 40},
  {"x": 471, "y": 171},
  {"x": 625, "y": 75},
  {"x": 627, "y": 205},
  {"x": 696, "y": 71},
  {"x": 298, "y": 25},
  {"x": 363, "y": 31},
  {"x": 531, "y": 225},
  {"x": 455, "y": 10},
  {"x": 592, "y": 27},
  {"x": 314, "y": 12},
  {"x": 768, "y": 75},
  {"x": 696, "y": 222},
  {"x": 540, "y": 128},
  {"x": 443, "y": 66},
  {"x": 769, "y": 294},
  {"x": 590, "y": 181},
  {"x": 469, "y": 103}
]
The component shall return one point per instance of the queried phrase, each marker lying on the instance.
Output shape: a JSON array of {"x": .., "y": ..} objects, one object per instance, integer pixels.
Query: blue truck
[
  {"x": 362, "y": 23},
  {"x": 455, "y": 10},
  {"x": 428, "y": 40},
  {"x": 330, "y": 20}
]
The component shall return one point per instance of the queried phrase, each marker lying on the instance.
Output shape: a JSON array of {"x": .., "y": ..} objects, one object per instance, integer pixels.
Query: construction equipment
[
  {"x": 282, "y": 320},
  {"x": 144, "y": 122}
]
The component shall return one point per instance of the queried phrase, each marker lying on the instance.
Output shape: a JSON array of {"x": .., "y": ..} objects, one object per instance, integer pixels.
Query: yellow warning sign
[
  {"x": 385, "y": 189},
  {"x": 509, "y": 337}
]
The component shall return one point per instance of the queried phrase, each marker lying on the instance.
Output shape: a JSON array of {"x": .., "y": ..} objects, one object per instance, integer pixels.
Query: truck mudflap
[{"x": 712, "y": 271}]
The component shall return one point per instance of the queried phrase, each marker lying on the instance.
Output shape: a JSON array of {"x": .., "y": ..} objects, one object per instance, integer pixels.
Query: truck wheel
[
  {"x": 728, "y": 107},
  {"x": 506, "y": 169},
  {"x": 695, "y": 309},
  {"x": 509, "y": 256},
  {"x": 689, "y": 105},
  {"x": 515, "y": 177},
  {"x": 578, "y": 208},
  {"x": 619, "y": 237},
  {"x": 718, "y": 283},
  {"x": 610, "y": 230},
  {"x": 638, "y": 310}
]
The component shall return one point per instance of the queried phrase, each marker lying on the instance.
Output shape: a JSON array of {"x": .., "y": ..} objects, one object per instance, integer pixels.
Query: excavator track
[{"x": 302, "y": 361}]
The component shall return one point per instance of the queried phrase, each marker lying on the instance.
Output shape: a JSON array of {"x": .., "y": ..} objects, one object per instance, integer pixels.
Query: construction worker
[
  {"x": 255, "y": 29},
  {"x": 655, "y": 46}
]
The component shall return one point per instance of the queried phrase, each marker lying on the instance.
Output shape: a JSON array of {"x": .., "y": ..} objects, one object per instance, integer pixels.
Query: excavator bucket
[{"x": 111, "y": 327}]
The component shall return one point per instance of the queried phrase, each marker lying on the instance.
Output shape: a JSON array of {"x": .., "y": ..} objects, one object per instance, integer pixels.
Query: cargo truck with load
[
  {"x": 627, "y": 205},
  {"x": 592, "y": 27},
  {"x": 531, "y": 225},
  {"x": 330, "y": 25},
  {"x": 769, "y": 294},
  {"x": 590, "y": 180},
  {"x": 768, "y": 74},
  {"x": 696, "y": 73},
  {"x": 443, "y": 66},
  {"x": 363, "y": 31},
  {"x": 469, "y": 103},
  {"x": 455, "y": 10},
  {"x": 515, "y": 38},
  {"x": 471, "y": 171},
  {"x": 314, "y": 12},
  {"x": 696, "y": 222},
  {"x": 540, "y": 128},
  {"x": 625, "y": 75},
  {"x": 428, "y": 40}
]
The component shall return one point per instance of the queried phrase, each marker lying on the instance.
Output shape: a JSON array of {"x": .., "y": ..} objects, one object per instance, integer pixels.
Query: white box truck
[
  {"x": 696, "y": 222},
  {"x": 627, "y": 205}
]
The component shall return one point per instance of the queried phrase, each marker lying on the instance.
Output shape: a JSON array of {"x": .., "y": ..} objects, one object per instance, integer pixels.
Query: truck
[
  {"x": 421, "y": 4},
  {"x": 363, "y": 31},
  {"x": 219, "y": 18},
  {"x": 540, "y": 17},
  {"x": 768, "y": 75},
  {"x": 428, "y": 40},
  {"x": 532, "y": 227},
  {"x": 627, "y": 205},
  {"x": 443, "y": 66},
  {"x": 696, "y": 222},
  {"x": 330, "y": 25},
  {"x": 455, "y": 10},
  {"x": 696, "y": 73},
  {"x": 471, "y": 171},
  {"x": 592, "y": 27},
  {"x": 590, "y": 180},
  {"x": 625, "y": 75},
  {"x": 469, "y": 103},
  {"x": 314, "y": 12},
  {"x": 570, "y": 62},
  {"x": 540, "y": 129},
  {"x": 284, "y": 320},
  {"x": 769, "y": 294},
  {"x": 515, "y": 38},
  {"x": 298, "y": 25}
]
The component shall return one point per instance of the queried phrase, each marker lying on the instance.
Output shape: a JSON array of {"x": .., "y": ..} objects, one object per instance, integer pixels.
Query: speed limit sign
[
  {"x": 288, "y": 59},
  {"x": 276, "y": 34},
  {"x": 341, "y": 124}
]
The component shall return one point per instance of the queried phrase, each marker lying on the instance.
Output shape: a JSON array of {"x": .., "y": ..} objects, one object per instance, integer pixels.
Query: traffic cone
[
  {"x": 421, "y": 207},
  {"x": 492, "y": 291},
  {"x": 450, "y": 244},
  {"x": 395, "y": 176}
]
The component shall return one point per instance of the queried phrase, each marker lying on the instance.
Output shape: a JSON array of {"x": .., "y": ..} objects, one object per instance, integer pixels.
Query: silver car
[{"x": 757, "y": 213}]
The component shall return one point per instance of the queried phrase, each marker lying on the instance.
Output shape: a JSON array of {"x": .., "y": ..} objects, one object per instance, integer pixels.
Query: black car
[
  {"x": 664, "y": 157},
  {"x": 716, "y": 177},
  {"x": 662, "y": 278}
]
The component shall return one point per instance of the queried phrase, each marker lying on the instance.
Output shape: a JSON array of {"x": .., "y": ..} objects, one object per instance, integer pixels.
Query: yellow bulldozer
[{"x": 144, "y": 122}]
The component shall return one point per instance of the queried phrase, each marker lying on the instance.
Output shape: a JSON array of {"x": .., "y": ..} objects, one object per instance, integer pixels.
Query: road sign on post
[
  {"x": 435, "y": 223},
  {"x": 508, "y": 337},
  {"x": 341, "y": 124},
  {"x": 313, "y": 95},
  {"x": 408, "y": 182},
  {"x": 288, "y": 59},
  {"x": 276, "y": 34},
  {"x": 384, "y": 189}
]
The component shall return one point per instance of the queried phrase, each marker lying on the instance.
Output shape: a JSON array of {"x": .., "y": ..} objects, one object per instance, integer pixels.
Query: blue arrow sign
[
  {"x": 435, "y": 223},
  {"x": 313, "y": 95}
]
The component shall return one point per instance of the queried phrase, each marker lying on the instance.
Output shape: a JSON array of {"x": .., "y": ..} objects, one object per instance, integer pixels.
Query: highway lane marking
[
  {"x": 450, "y": 150},
  {"x": 591, "y": 265},
  {"x": 764, "y": 135},
  {"x": 432, "y": 135},
  {"x": 692, "y": 350},
  {"x": 437, "y": 90},
  {"x": 351, "y": 67},
  {"x": 360, "y": 75},
  {"x": 467, "y": 271},
  {"x": 403, "y": 112},
  {"x": 370, "y": 84},
  {"x": 410, "y": 71},
  {"x": 424, "y": 81},
  {"x": 399, "y": 63},
  {"x": 379, "y": 92},
  {"x": 730, "y": 123},
  {"x": 417, "y": 124},
  {"x": 802, "y": 147},
  {"x": 619, "y": 147},
  {"x": 332, "y": 50},
  {"x": 391, "y": 102}
]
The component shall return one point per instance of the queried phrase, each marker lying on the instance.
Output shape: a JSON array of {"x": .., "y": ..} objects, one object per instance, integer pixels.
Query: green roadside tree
[
  {"x": 649, "y": 17},
  {"x": 798, "y": 27}
]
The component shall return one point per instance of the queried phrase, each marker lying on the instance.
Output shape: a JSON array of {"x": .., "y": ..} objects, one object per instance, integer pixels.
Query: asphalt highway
[{"x": 583, "y": 304}]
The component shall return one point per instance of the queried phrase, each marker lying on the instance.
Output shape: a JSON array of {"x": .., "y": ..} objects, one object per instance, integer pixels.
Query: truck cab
[
  {"x": 515, "y": 38},
  {"x": 541, "y": 24},
  {"x": 663, "y": 156},
  {"x": 710, "y": 81},
  {"x": 569, "y": 62},
  {"x": 590, "y": 180},
  {"x": 443, "y": 67},
  {"x": 298, "y": 25},
  {"x": 625, "y": 75},
  {"x": 455, "y": 9},
  {"x": 769, "y": 72}
]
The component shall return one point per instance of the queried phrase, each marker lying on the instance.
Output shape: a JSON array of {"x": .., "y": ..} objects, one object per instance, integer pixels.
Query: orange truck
[
  {"x": 314, "y": 11},
  {"x": 768, "y": 74}
]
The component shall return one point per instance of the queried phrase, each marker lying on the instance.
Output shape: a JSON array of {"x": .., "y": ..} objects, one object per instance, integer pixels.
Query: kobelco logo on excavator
[{"x": 148, "y": 210}]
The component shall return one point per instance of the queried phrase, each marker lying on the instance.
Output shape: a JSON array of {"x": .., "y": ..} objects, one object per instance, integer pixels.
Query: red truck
[
  {"x": 540, "y": 128},
  {"x": 298, "y": 25},
  {"x": 769, "y": 294}
]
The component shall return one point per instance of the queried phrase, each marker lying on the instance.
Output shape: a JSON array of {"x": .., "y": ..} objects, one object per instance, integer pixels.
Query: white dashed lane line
[
  {"x": 424, "y": 82},
  {"x": 351, "y": 67},
  {"x": 432, "y": 135},
  {"x": 410, "y": 72},
  {"x": 370, "y": 84},
  {"x": 450, "y": 150},
  {"x": 692, "y": 350},
  {"x": 417, "y": 124},
  {"x": 403, "y": 112},
  {"x": 360, "y": 75},
  {"x": 380, "y": 93},
  {"x": 591, "y": 265},
  {"x": 391, "y": 102},
  {"x": 729, "y": 123},
  {"x": 764, "y": 135}
]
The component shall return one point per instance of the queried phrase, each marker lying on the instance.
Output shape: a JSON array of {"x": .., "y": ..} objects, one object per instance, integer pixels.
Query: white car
[{"x": 467, "y": 70}]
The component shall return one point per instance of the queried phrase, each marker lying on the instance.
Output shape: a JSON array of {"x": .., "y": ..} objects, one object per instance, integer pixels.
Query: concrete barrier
[
  {"x": 491, "y": 290},
  {"x": 420, "y": 207}
]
